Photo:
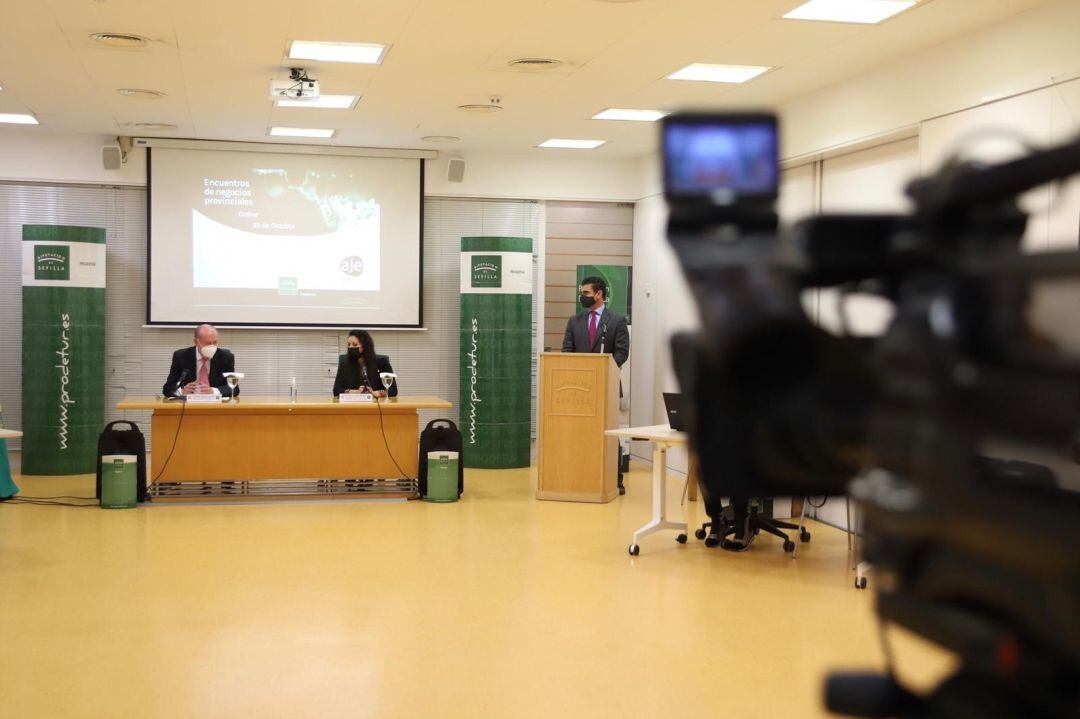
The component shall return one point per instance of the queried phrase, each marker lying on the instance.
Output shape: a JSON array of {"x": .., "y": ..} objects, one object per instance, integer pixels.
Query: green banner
[
  {"x": 496, "y": 351},
  {"x": 620, "y": 289},
  {"x": 63, "y": 348}
]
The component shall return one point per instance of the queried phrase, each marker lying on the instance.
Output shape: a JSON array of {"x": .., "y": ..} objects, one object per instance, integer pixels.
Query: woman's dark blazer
[{"x": 349, "y": 375}]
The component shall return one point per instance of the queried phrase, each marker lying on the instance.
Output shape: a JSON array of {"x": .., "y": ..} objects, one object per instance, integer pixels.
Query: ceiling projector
[{"x": 298, "y": 87}]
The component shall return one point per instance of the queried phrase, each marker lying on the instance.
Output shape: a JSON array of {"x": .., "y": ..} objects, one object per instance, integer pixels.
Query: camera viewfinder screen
[{"x": 718, "y": 159}]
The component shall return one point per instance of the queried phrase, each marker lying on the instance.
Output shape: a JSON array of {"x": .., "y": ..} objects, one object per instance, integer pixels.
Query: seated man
[{"x": 205, "y": 363}]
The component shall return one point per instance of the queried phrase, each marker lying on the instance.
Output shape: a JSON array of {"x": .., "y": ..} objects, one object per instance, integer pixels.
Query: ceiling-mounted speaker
[
  {"x": 455, "y": 170},
  {"x": 111, "y": 157}
]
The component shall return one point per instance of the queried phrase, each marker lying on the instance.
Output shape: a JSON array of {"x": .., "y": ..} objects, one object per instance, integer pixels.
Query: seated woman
[{"x": 358, "y": 369}]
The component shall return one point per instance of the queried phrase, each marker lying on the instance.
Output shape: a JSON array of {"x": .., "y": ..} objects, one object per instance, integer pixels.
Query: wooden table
[
  {"x": 10, "y": 434},
  {"x": 263, "y": 447},
  {"x": 663, "y": 437}
]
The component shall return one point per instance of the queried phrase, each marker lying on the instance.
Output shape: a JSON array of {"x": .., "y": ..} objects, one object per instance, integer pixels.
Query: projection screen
[{"x": 281, "y": 239}]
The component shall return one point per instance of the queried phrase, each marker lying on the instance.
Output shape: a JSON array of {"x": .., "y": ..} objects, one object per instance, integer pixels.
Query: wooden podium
[{"x": 579, "y": 401}]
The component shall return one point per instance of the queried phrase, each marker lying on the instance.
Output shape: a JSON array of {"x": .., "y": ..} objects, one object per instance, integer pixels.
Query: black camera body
[{"x": 971, "y": 549}]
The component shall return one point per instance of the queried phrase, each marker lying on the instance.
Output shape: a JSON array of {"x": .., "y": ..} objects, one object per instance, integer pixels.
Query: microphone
[
  {"x": 603, "y": 336},
  {"x": 180, "y": 382}
]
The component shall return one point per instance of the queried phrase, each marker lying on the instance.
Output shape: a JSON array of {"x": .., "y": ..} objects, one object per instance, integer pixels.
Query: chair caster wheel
[
  {"x": 681, "y": 539},
  {"x": 712, "y": 541},
  {"x": 860, "y": 582},
  {"x": 622, "y": 489},
  {"x": 700, "y": 533},
  {"x": 789, "y": 546},
  {"x": 726, "y": 544},
  {"x": 634, "y": 550},
  {"x": 804, "y": 536}
]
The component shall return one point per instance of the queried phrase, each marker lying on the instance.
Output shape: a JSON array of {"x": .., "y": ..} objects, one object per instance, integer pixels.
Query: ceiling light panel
[
  {"x": 572, "y": 144},
  {"x": 301, "y": 132},
  {"x": 866, "y": 12},
  {"x": 357, "y": 52},
  {"x": 703, "y": 72},
  {"x": 18, "y": 119},
  {"x": 328, "y": 102},
  {"x": 614, "y": 113}
]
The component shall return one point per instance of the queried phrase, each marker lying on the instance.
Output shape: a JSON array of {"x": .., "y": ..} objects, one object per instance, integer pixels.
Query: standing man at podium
[{"x": 598, "y": 329}]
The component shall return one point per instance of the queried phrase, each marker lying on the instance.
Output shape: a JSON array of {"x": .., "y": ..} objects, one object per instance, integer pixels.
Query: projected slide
[
  {"x": 284, "y": 239},
  {"x": 347, "y": 259}
]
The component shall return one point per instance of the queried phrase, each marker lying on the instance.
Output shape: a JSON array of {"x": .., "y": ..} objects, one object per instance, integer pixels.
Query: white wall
[
  {"x": 537, "y": 176},
  {"x": 1028, "y": 51},
  {"x": 36, "y": 155},
  {"x": 663, "y": 306}
]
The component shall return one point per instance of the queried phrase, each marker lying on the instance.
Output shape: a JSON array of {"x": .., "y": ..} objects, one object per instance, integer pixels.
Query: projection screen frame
[{"x": 418, "y": 155}]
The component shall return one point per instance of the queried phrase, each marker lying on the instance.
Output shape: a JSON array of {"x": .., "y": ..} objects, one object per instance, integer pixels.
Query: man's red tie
[
  {"x": 592, "y": 329},
  {"x": 204, "y": 371}
]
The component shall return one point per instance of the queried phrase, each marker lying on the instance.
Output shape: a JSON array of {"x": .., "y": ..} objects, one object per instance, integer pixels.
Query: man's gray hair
[{"x": 200, "y": 328}]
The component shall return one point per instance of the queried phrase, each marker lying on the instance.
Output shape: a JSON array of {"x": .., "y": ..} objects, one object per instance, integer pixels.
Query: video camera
[{"x": 972, "y": 549}]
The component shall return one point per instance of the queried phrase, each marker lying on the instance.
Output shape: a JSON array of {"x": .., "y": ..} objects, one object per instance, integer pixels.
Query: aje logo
[
  {"x": 52, "y": 262},
  {"x": 487, "y": 271},
  {"x": 352, "y": 266}
]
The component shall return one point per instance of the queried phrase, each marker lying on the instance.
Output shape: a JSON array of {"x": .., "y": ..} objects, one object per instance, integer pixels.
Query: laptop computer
[{"x": 676, "y": 411}]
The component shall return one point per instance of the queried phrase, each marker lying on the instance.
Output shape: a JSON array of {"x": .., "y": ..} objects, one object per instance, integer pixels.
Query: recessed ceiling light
[
  {"x": 535, "y": 63},
  {"x": 154, "y": 125},
  {"x": 120, "y": 39},
  {"x": 140, "y": 93},
  {"x": 18, "y": 119},
  {"x": 860, "y": 11},
  {"x": 615, "y": 113},
  {"x": 361, "y": 52},
  {"x": 440, "y": 138},
  {"x": 331, "y": 102},
  {"x": 718, "y": 73},
  {"x": 301, "y": 132},
  {"x": 572, "y": 144}
]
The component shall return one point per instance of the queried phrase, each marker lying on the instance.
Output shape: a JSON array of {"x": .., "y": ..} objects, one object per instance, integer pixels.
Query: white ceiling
[{"x": 214, "y": 58}]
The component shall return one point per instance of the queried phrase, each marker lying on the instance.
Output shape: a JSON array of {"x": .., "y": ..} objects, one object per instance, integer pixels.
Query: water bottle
[{"x": 292, "y": 390}]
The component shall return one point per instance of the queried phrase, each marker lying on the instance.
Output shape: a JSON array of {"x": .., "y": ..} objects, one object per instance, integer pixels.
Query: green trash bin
[
  {"x": 442, "y": 477},
  {"x": 118, "y": 481}
]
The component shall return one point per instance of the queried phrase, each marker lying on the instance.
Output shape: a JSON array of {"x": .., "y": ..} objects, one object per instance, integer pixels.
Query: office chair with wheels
[
  {"x": 724, "y": 524},
  {"x": 754, "y": 523}
]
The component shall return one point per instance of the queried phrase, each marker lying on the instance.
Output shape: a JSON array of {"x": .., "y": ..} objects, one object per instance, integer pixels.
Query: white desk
[{"x": 663, "y": 437}]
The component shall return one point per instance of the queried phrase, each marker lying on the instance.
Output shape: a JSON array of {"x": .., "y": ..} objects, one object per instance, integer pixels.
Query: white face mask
[{"x": 208, "y": 351}]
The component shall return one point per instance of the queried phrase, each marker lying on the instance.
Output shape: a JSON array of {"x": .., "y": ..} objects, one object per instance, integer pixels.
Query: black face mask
[
  {"x": 587, "y": 301},
  {"x": 354, "y": 353}
]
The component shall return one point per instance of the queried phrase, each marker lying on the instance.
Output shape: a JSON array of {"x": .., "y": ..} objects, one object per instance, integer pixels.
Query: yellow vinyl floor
[{"x": 496, "y": 606}]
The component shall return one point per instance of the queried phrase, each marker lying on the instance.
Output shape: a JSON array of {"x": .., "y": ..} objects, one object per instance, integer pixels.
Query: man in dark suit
[
  {"x": 598, "y": 329},
  {"x": 205, "y": 363}
]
